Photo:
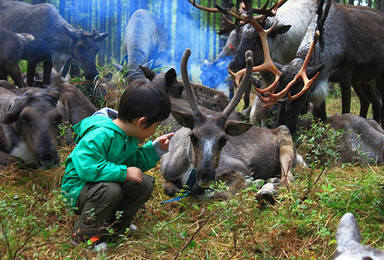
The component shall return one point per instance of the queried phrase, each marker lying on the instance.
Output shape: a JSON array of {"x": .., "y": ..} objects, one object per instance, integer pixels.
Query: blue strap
[{"x": 190, "y": 182}]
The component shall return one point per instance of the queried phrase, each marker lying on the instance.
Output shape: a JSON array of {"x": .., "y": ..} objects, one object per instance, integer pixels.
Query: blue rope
[{"x": 190, "y": 182}]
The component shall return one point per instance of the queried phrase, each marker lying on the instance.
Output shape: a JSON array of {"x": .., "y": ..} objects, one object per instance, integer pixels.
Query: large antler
[
  {"x": 228, "y": 25},
  {"x": 239, "y": 93},
  {"x": 234, "y": 101},
  {"x": 265, "y": 12},
  {"x": 272, "y": 99},
  {"x": 246, "y": 17},
  {"x": 187, "y": 84},
  {"x": 267, "y": 65}
]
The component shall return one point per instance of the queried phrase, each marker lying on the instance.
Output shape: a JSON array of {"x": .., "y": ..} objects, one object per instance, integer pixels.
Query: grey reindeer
[
  {"x": 349, "y": 242},
  {"x": 213, "y": 148}
]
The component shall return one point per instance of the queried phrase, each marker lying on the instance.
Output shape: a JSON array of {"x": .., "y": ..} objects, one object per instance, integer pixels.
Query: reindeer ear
[
  {"x": 184, "y": 118},
  {"x": 280, "y": 29},
  {"x": 170, "y": 76},
  {"x": 236, "y": 128},
  {"x": 14, "y": 110},
  {"x": 100, "y": 37},
  {"x": 148, "y": 73},
  {"x": 348, "y": 233},
  {"x": 74, "y": 34},
  {"x": 313, "y": 70}
]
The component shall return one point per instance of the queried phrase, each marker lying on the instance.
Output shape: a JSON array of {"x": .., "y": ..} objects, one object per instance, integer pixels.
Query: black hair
[{"x": 143, "y": 99}]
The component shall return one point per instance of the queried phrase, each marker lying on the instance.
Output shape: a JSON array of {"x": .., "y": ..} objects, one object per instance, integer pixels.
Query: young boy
[{"x": 104, "y": 173}]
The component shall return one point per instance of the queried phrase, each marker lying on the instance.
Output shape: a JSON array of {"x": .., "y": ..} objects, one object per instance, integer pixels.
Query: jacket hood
[{"x": 93, "y": 122}]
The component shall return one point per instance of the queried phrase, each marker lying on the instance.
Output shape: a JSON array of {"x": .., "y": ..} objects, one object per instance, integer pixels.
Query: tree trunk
[
  {"x": 111, "y": 23},
  {"x": 207, "y": 33},
  {"x": 118, "y": 32},
  {"x": 103, "y": 28}
]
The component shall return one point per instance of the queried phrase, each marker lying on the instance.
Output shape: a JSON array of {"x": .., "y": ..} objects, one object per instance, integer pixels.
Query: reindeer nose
[
  {"x": 48, "y": 159},
  {"x": 91, "y": 75},
  {"x": 205, "y": 177}
]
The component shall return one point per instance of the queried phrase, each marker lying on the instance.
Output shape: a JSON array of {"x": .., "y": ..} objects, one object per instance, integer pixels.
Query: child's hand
[
  {"x": 161, "y": 143},
  {"x": 134, "y": 174},
  {"x": 164, "y": 141}
]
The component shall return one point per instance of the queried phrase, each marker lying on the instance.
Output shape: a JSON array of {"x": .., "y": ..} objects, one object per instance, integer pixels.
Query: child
[{"x": 103, "y": 174}]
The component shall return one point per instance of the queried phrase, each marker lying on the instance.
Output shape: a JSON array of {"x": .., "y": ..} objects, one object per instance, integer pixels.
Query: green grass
[{"x": 36, "y": 224}]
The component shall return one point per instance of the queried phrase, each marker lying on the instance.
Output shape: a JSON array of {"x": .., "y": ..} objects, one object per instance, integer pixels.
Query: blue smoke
[
  {"x": 215, "y": 74},
  {"x": 182, "y": 24}
]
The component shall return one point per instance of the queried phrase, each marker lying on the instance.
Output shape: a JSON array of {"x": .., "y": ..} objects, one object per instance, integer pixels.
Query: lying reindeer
[
  {"x": 349, "y": 242},
  {"x": 218, "y": 149},
  {"x": 29, "y": 127},
  {"x": 362, "y": 140}
]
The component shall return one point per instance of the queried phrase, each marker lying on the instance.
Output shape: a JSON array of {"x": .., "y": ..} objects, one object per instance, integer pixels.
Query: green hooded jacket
[{"x": 103, "y": 153}]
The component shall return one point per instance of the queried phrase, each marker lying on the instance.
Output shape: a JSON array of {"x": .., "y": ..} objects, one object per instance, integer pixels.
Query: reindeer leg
[
  {"x": 31, "y": 68},
  {"x": 170, "y": 188},
  {"x": 233, "y": 179},
  {"x": 7, "y": 159},
  {"x": 286, "y": 155},
  {"x": 14, "y": 72},
  {"x": 47, "y": 65}
]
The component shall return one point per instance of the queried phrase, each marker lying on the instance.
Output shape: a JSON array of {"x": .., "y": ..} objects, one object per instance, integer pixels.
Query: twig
[
  {"x": 192, "y": 237},
  {"x": 317, "y": 179}
]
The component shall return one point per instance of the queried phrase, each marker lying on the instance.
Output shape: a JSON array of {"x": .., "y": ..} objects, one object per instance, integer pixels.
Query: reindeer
[
  {"x": 55, "y": 40},
  {"x": 213, "y": 148},
  {"x": 11, "y": 51},
  {"x": 146, "y": 41},
  {"x": 362, "y": 140},
  {"x": 339, "y": 57},
  {"x": 286, "y": 25},
  {"x": 349, "y": 242},
  {"x": 29, "y": 127}
]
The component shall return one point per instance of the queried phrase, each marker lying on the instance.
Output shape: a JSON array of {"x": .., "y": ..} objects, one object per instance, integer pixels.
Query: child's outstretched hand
[
  {"x": 134, "y": 174},
  {"x": 161, "y": 143},
  {"x": 164, "y": 141}
]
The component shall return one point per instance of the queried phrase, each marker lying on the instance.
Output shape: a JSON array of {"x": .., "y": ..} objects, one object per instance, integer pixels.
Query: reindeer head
[
  {"x": 36, "y": 118},
  {"x": 209, "y": 132},
  {"x": 85, "y": 48}
]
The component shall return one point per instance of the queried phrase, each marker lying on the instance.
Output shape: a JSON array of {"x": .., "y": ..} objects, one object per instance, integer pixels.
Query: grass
[{"x": 36, "y": 224}]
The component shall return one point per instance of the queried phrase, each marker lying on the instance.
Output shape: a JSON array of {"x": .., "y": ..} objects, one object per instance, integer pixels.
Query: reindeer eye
[
  {"x": 194, "y": 139},
  {"x": 80, "y": 48},
  {"x": 222, "y": 141},
  {"x": 25, "y": 117}
]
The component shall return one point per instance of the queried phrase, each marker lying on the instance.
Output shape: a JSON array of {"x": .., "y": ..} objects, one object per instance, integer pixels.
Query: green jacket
[{"x": 103, "y": 153}]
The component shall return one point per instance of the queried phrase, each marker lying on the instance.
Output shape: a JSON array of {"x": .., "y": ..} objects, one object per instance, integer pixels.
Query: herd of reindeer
[{"x": 296, "y": 46}]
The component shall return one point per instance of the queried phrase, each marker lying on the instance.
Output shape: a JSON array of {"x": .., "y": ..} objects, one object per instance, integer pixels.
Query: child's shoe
[
  {"x": 95, "y": 243},
  {"x": 133, "y": 228}
]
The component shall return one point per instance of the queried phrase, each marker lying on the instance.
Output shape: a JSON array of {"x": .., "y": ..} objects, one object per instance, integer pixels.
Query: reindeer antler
[
  {"x": 265, "y": 12},
  {"x": 255, "y": 22},
  {"x": 268, "y": 64},
  {"x": 247, "y": 17},
  {"x": 201, "y": 7},
  {"x": 272, "y": 99},
  {"x": 239, "y": 93},
  {"x": 187, "y": 84}
]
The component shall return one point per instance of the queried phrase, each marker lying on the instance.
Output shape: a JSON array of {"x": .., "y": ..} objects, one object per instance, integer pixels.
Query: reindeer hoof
[{"x": 267, "y": 194}]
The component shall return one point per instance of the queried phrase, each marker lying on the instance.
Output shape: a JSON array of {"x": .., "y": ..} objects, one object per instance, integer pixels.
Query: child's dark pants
[{"x": 99, "y": 202}]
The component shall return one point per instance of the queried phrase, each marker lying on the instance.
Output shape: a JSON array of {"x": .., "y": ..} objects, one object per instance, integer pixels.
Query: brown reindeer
[
  {"x": 55, "y": 40},
  {"x": 11, "y": 51},
  {"x": 29, "y": 127},
  {"x": 213, "y": 148}
]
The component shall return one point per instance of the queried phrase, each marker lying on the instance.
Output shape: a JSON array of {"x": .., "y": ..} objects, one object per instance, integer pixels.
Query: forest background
[{"x": 188, "y": 27}]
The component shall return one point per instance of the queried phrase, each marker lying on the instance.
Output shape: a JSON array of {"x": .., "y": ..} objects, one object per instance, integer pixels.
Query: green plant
[
  {"x": 321, "y": 145},
  {"x": 36, "y": 225}
]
